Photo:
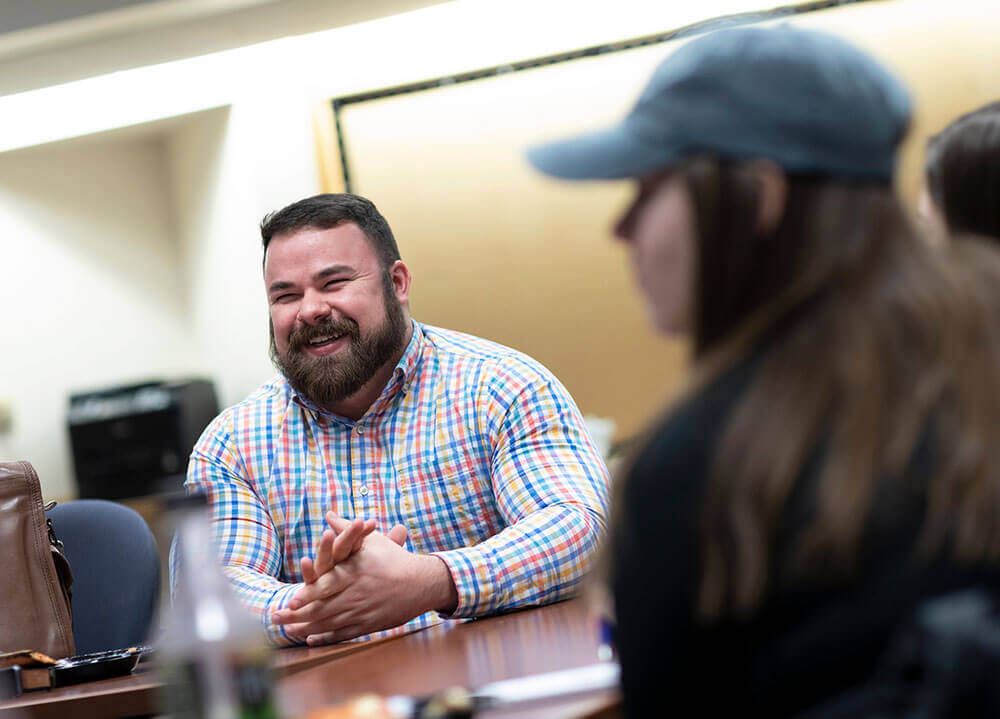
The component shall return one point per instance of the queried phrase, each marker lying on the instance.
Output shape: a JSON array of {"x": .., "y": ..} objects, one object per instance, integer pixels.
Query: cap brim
[{"x": 609, "y": 154}]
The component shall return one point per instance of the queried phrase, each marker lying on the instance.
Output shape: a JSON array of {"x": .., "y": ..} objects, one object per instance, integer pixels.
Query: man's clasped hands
[{"x": 363, "y": 581}]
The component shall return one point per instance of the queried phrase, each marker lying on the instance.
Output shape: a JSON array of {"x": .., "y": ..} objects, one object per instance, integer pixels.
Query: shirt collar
[{"x": 407, "y": 366}]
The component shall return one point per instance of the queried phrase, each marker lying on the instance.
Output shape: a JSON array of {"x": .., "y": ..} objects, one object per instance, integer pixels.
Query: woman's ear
[
  {"x": 772, "y": 186},
  {"x": 932, "y": 222}
]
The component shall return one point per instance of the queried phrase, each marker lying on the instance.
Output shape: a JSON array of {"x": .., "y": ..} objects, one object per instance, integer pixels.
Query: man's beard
[{"x": 328, "y": 380}]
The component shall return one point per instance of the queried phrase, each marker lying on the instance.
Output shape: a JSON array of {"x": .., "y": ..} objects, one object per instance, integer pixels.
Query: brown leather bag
[{"x": 35, "y": 610}]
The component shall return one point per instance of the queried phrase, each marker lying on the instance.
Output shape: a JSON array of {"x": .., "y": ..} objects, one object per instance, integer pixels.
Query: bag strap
[{"x": 61, "y": 561}]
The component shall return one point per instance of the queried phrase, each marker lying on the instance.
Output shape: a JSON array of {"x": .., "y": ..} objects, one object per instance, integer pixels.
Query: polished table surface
[
  {"x": 470, "y": 654},
  {"x": 138, "y": 694},
  {"x": 534, "y": 641}
]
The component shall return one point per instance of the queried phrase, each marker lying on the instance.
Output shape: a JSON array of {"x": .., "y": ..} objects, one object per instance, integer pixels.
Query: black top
[{"x": 812, "y": 637}]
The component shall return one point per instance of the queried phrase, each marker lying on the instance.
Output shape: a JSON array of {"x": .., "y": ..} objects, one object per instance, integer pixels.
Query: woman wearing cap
[{"x": 833, "y": 461}]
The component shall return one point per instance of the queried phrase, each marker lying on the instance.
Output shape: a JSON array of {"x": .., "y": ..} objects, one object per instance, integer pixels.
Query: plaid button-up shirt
[{"x": 476, "y": 448}]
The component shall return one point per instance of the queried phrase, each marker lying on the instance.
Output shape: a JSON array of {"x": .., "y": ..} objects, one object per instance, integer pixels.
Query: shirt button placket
[{"x": 359, "y": 474}]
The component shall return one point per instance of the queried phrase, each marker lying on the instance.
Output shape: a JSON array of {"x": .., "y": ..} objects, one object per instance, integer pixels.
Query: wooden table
[
  {"x": 138, "y": 694},
  {"x": 560, "y": 636}
]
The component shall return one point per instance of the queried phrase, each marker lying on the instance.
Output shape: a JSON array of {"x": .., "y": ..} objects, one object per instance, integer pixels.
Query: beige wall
[
  {"x": 90, "y": 289},
  {"x": 498, "y": 251},
  {"x": 135, "y": 255},
  {"x": 226, "y": 169}
]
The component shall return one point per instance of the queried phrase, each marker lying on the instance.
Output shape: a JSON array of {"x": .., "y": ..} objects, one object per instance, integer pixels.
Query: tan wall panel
[{"x": 499, "y": 251}]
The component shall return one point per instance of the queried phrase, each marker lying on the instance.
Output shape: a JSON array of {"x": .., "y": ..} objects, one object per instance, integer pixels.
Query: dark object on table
[
  {"x": 117, "y": 570},
  {"x": 10, "y": 683},
  {"x": 134, "y": 440},
  {"x": 99, "y": 665},
  {"x": 25, "y": 670},
  {"x": 32, "y": 668},
  {"x": 452, "y": 703}
]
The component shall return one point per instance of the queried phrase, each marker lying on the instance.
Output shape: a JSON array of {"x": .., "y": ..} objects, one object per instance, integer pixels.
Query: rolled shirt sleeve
[
  {"x": 551, "y": 486},
  {"x": 248, "y": 544}
]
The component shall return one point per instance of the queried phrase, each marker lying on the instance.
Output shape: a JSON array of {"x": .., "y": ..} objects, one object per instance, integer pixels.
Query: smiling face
[
  {"x": 338, "y": 318},
  {"x": 659, "y": 229}
]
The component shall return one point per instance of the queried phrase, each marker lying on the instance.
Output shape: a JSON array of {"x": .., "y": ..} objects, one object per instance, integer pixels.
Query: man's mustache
[{"x": 300, "y": 336}]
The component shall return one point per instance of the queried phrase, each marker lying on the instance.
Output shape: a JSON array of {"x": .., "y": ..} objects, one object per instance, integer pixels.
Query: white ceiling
[
  {"x": 24, "y": 14},
  {"x": 48, "y": 42},
  {"x": 27, "y": 26}
]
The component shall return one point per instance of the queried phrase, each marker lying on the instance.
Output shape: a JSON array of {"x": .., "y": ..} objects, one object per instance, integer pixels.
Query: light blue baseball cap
[{"x": 804, "y": 99}]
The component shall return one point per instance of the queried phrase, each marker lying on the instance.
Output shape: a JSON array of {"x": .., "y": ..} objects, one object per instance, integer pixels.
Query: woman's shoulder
[
  {"x": 692, "y": 425},
  {"x": 672, "y": 465}
]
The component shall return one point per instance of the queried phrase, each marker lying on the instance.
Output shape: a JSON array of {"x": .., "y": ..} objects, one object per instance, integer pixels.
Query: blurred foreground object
[
  {"x": 215, "y": 659},
  {"x": 460, "y": 703}
]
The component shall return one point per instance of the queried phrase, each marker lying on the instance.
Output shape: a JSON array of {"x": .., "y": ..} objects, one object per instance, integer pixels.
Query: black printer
[{"x": 134, "y": 440}]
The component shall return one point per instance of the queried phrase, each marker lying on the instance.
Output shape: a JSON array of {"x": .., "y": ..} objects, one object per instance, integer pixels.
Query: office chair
[{"x": 116, "y": 573}]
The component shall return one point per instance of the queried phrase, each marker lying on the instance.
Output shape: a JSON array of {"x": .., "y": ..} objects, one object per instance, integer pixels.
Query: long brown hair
[{"x": 868, "y": 332}]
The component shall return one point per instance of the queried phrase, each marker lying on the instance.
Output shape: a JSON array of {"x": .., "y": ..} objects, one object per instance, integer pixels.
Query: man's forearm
[
  {"x": 438, "y": 588},
  {"x": 442, "y": 596}
]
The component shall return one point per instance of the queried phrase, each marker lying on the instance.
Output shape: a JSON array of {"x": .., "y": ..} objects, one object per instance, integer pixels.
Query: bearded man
[{"x": 393, "y": 473}]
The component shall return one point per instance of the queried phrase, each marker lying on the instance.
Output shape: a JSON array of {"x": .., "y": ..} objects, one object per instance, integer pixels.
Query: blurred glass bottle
[{"x": 213, "y": 656}]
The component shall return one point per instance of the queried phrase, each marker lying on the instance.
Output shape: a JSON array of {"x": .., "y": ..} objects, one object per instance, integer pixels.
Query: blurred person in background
[
  {"x": 961, "y": 194},
  {"x": 959, "y": 204},
  {"x": 834, "y": 460}
]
